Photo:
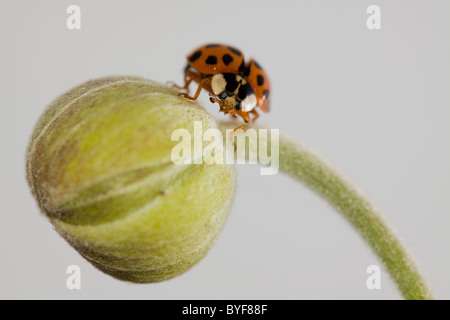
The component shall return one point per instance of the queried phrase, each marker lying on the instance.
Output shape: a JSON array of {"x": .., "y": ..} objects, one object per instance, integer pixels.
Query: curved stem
[{"x": 317, "y": 174}]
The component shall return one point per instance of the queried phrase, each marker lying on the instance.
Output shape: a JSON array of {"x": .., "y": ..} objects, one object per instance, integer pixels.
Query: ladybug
[{"x": 238, "y": 87}]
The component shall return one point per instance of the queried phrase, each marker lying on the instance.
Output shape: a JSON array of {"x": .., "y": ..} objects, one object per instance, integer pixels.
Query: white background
[{"x": 375, "y": 103}]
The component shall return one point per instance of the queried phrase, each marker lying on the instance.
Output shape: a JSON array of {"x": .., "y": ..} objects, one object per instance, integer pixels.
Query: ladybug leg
[
  {"x": 245, "y": 116},
  {"x": 203, "y": 81},
  {"x": 241, "y": 127},
  {"x": 197, "y": 93},
  {"x": 213, "y": 99},
  {"x": 256, "y": 115}
]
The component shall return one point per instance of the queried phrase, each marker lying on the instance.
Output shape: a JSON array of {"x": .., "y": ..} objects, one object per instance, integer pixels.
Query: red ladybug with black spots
[{"x": 238, "y": 87}]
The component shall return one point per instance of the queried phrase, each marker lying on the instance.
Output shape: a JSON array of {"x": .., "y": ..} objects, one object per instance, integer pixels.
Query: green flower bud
[{"x": 99, "y": 164}]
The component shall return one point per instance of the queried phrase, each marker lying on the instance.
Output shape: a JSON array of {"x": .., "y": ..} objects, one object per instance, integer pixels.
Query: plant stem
[{"x": 308, "y": 168}]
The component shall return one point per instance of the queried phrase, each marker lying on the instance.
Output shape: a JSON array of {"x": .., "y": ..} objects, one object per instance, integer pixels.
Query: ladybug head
[{"x": 235, "y": 92}]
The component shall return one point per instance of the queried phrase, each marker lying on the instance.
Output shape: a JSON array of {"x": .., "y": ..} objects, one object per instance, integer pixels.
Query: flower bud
[{"x": 99, "y": 164}]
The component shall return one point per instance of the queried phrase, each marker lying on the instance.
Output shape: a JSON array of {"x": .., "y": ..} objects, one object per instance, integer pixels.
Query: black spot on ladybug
[
  {"x": 232, "y": 83},
  {"x": 257, "y": 65},
  {"x": 195, "y": 56},
  {"x": 211, "y": 60},
  {"x": 243, "y": 70},
  {"x": 265, "y": 93},
  {"x": 212, "y": 45},
  {"x": 260, "y": 80},
  {"x": 227, "y": 59},
  {"x": 245, "y": 91},
  {"x": 246, "y": 71},
  {"x": 235, "y": 51}
]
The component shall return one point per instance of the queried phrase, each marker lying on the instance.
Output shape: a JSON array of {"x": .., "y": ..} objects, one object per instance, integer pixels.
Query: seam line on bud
[{"x": 43, "y": 131}]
